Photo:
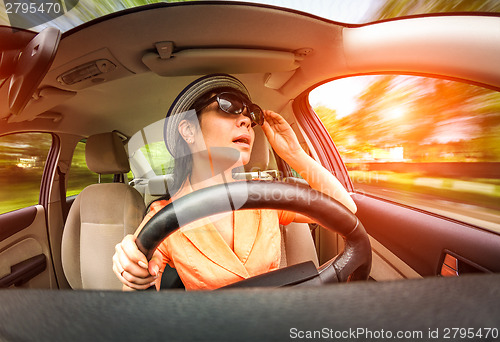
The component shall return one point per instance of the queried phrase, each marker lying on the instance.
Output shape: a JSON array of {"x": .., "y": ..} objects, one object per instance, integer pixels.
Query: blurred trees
[
  {"x": 398, "y": 8},
  {"x": 87, "y": 10},
  {"x": 433, "y": 119},
  {"x": 22, "y": 160}
]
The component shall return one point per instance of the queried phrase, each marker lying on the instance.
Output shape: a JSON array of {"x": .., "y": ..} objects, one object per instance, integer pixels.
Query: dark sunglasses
[{"x": 235, "y": 104}]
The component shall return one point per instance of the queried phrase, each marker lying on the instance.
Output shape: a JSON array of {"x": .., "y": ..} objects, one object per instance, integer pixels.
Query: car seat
[{"x": 101, "y": 215}]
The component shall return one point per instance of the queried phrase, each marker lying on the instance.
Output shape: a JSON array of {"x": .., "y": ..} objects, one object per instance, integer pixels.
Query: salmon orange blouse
[{"x": 204, "y": 261}]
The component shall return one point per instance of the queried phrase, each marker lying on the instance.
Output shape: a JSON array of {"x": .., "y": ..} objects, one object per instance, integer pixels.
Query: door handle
[
  {"x": 22, "y": 272},
  {"x": 449, "y": 267}
]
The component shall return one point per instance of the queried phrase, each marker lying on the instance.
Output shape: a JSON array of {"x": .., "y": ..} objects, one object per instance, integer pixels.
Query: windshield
[{"x": 68, "y": 14}]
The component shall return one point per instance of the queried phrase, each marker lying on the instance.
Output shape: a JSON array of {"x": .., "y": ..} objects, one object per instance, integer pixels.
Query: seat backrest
[
  {"x": 259, "y": 159},
  {"x": 157, "y": 186},
  {"x": 297, "y": 239},
  {"x": 101, "y": 215},
  {"x": 297, "y": 245}
]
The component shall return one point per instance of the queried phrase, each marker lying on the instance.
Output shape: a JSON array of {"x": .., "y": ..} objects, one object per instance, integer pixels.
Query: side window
[
  {"x": 79, "y": 175},
  {"x": 428, "y": 143},
  {"x": 148, "y": 154},
  {"x": 22, "y": 160},
  {"x": 158, "y": 158}
]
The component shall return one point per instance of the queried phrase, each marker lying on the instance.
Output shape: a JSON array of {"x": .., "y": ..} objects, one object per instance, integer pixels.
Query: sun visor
[{"x": 234, "y": 61}]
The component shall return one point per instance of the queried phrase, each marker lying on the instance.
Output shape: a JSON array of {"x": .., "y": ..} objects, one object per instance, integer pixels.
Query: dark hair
[{"x": 183, "y": 166}]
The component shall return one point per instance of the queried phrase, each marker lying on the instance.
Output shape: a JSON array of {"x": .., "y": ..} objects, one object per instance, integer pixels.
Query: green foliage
[
  {"x": 398, "y": 8},
  {"x": 22, "y": 159},
  {"x": 87, "y": 10},
  {"x": 158, "y": 157}
]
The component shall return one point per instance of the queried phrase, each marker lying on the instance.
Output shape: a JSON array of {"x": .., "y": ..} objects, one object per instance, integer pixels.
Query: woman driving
[{"x": 209, "y": 131}]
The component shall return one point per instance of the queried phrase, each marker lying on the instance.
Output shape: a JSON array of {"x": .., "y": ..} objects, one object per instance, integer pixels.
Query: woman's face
[{"x": 220, "y": 129}]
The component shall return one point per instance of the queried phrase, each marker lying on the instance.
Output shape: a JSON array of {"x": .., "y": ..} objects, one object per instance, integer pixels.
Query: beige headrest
[
  {"x": 105, "y": 154},
  {"x": 159, "y": 185},
  {"x": 260, "y": 152}
]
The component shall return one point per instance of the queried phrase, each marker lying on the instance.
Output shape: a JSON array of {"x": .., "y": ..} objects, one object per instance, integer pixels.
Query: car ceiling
[{"x": 287, "y": 50}]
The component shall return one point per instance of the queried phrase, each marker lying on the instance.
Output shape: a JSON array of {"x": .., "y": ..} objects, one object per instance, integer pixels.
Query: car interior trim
[
  {"x": 461, "y": 265},
  {"x": 235, "y": 61},
  {"x": 322, "y": 142},
  {"x": 400, "y": 45},
  {"x": 387, "y": 266},
  {"x": 24, "y": 271},
  {"x": 16, "y": 221},
  {"x": 414, "y": 228}
]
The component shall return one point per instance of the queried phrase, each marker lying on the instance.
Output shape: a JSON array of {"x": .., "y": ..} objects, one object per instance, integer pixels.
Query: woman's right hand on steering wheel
[{"x": 131, "y": 266}]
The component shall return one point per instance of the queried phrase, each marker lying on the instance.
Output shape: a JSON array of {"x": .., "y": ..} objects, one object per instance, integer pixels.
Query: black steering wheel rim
[{"x": 354, "y": 263}]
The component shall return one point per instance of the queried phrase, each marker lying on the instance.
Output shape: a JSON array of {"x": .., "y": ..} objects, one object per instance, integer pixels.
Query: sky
[
  {"x": 347, "y": 11},
  {"x": 340, "y": 95}
]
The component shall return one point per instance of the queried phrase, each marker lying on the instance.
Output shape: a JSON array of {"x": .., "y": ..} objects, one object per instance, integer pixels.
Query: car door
[
  {"x": 27, "y": 160},
  {"x": 25, "y": 257},
  {"x": 420, "y": 156}
]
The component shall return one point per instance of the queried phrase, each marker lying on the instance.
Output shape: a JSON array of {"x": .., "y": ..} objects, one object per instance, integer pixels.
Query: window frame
[{"x": 320, "y": 140}]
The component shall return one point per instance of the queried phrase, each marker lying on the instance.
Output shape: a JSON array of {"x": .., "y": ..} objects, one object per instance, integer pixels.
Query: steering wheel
[{"x": 354, "y": 263}]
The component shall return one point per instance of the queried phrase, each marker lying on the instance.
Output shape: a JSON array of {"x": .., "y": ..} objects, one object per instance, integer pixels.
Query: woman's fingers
[
  {"x": 133, "y": 253},
  {"x": 267, "y": 127},
  {"x": 155, "y": 264},
  {"x": 137, "y": 283},
  {"x": 275, "y": 123},
  {"x": 273, "y": 118},
  {"x": 130, "y": 265},
  {"x": 280, "y": 135}
]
